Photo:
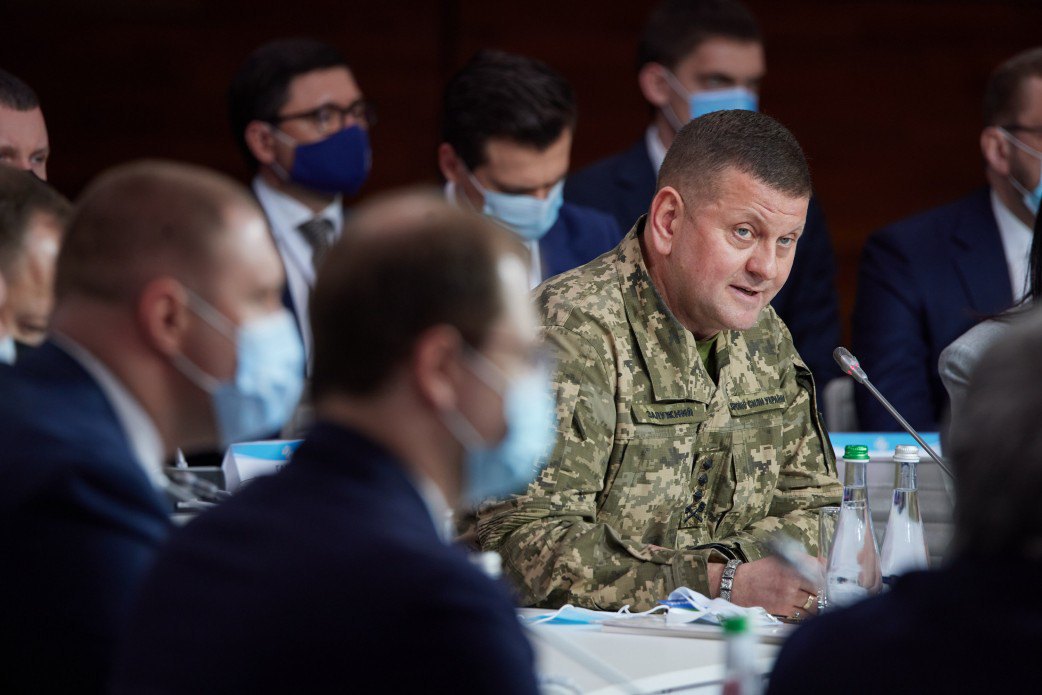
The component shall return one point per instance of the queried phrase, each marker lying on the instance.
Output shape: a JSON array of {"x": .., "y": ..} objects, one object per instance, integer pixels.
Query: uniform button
[
  {"x": 703, "y": 479},
  {"x": 698, "y": 495},
  {"x": 707, "y": 464},
  {"x": 701, "y": 506}
]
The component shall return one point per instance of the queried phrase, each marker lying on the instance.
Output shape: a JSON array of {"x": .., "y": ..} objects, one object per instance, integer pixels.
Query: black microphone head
[{"x": 849, "y": 364}]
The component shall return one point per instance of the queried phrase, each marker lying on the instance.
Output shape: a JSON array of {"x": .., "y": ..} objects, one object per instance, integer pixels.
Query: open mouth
[{"x": 747, "y": 292}]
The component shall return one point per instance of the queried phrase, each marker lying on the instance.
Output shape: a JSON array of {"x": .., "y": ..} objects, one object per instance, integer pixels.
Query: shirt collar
[
  {"x": 437, "y": 507},
  {"x": 140, "y": 431},
  {"x": 286, "y": 213},
  {"x": 656, "y": 150},
  {"x": 1016, "y": 244}
]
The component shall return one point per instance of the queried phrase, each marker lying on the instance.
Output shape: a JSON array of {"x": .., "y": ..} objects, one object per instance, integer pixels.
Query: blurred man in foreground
[
  {"x": 930, "y": 632},
  {"x": 168, "y": 332},
  {"x": 326, "y": 576}
]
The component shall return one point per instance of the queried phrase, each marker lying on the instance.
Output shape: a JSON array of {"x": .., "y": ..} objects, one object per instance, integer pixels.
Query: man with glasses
[
  {"x": 926, "y": 280},
  {"x": 302, "y": 123}
]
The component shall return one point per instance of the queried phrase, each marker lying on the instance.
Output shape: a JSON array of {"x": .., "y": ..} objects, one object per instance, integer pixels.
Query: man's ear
[
  {"x": 261, "y": 141},
  {"x": 667, "y": 210},
  {"x": 436, "y": 366},
  {"x": 653, "y": 84},
  {"x": 449, "y": 163},
  {"x": 163, "y": 315},
  {"x": 996, "y": 149}
]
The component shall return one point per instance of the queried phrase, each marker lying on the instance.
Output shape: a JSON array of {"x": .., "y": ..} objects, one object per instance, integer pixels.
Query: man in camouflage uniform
[{"x": 687, "y": 426}]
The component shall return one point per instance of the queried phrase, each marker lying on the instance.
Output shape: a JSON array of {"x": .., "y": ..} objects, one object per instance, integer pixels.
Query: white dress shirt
[
  {"x": 1016, "y": 244},
  {"x": 285, "y": 214},
  {"x": 656, "y": 150},
  {"x": 141, "y": 433}
]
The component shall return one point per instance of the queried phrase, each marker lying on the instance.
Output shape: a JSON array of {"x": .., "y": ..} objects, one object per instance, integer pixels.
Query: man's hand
[{"x": 775, "y": 586}]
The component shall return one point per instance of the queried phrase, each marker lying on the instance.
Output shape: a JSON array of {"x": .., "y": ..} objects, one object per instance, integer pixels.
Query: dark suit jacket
[
  {"x": 927, "y": 635},
  {"x": 579, "y": 235},
  {"x": 623, "y": 186},
  {"x": 922, "y": 283},
  {"x": 327, "y": 577},
  {"x": 80, "y": 522}
]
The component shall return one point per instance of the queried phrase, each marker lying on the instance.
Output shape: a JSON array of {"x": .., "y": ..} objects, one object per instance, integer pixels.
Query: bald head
[
  {"x": 146, "y": 219},
  {"x": 406, "y": 262}
]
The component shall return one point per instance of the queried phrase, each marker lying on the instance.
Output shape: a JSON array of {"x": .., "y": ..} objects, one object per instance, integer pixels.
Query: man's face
[
  {"x": 30, "y": 296},
  {"x": 23, "y": 140},
  {"x": 246, "y": 284},
  {"x": 718, "y": 63},
  {"x": 511, "y": 347},
  {"x": 311, "y": 119},
  {"x": 1024, "y": 167},
  {"x": 730, "y": 255},
  {"x": 518, "y": 169}
]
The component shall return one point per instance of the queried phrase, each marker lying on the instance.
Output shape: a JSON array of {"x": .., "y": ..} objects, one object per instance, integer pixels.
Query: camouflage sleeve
[
  {"x": 807, "y": 479},
  {"x": 553, "y": 548}
]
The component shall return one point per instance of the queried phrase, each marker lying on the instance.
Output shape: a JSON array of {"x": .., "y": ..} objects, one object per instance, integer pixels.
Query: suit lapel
[
  {"x": 636, "y": 174},
  {"x": 979, "y": 258}
]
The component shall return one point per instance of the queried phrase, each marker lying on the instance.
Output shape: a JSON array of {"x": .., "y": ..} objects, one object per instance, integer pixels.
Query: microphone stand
[{"x": 849, "y": 364}]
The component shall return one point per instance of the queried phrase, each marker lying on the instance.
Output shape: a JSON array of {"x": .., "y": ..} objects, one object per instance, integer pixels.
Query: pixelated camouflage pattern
[{"x": 655, "y": 470}]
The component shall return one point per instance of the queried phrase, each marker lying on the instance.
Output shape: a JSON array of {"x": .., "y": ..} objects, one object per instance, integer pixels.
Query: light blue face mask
[
  {"x": 528, "y": 216},
  {"x": 708, "y": 101},
  {"x": 509, "y": 466},
  {"x": 7, "y": 350},
  {"x": 1032, "y": 199},
  {"x": 269, "y": 374}
]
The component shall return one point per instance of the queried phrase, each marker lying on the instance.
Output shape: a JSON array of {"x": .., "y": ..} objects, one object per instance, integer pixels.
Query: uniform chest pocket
[
  {"x": 745, "y": 495},
  {"x": 649, "y": 478}
]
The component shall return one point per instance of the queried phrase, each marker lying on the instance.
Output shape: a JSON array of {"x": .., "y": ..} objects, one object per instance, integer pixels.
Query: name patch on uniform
[
  {"x": 669, "y": 413},
  {"x": 757, "y": 403}
]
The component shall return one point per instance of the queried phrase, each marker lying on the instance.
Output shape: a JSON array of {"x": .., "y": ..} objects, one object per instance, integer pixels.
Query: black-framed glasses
[{"x": 332, "y": 117}]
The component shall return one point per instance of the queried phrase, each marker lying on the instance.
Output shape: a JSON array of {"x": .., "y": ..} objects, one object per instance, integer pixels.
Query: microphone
[{"x": 849, "y": 364}]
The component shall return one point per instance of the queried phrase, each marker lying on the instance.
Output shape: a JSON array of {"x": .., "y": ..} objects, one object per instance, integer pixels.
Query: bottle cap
[
  {"x": 855, "y": 452},
  {"x": 735, "y": 625},
  {"x": 906, "y": 452}
]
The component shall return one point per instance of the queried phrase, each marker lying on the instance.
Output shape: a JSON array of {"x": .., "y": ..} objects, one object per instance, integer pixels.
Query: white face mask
[{"x": 1033, "y": 198}]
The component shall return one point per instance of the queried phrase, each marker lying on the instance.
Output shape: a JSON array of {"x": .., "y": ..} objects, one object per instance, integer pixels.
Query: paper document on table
[{"x": 657, "y": 625}]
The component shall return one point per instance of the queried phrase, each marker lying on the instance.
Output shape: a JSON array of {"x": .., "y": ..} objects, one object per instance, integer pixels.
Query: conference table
[{"x": 648, "y": 663}]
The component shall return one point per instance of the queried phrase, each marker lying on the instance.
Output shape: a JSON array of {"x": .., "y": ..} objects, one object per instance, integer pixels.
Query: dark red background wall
[{"x": 884, "y": 96}]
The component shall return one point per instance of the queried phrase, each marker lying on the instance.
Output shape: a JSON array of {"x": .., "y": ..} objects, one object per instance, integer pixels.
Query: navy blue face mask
[{"x": 337, "y": 164}]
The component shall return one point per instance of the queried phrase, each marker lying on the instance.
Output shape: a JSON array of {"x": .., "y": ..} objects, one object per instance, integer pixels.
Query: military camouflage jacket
[{"x": 656, "y": 470}]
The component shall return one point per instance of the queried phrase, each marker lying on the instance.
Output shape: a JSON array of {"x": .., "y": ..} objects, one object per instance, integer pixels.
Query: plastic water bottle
[
  {"x": 904, "y": 546},
  {"x": 741, "y": 676},
  {"x": 853, "y": 571}
]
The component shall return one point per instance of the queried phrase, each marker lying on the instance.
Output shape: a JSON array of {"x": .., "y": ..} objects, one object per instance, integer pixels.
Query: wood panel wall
[{"x": 884, "y": 96}]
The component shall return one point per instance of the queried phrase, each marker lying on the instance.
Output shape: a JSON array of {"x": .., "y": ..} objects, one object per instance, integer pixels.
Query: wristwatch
[{"x": 727, "y": 578}]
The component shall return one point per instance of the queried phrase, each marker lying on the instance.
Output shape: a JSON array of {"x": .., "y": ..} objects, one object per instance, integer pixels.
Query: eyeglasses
[{"x": 329, "y": 118}]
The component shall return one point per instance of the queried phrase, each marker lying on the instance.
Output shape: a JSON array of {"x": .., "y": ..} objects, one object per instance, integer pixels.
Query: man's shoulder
[
  {"x": 588, "y": 219},
  {"x": 629, "y": 162},
  {"x": 589, "y": 293},
  {"x": 938, "y": 224}
]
